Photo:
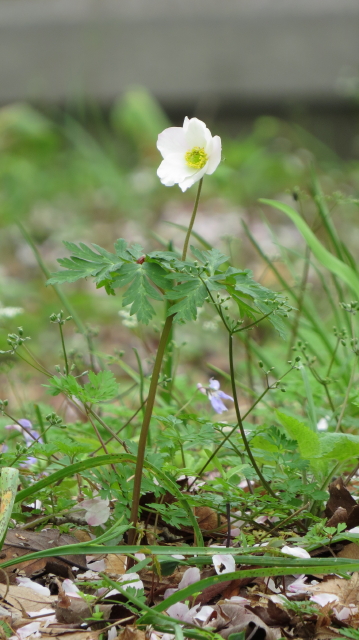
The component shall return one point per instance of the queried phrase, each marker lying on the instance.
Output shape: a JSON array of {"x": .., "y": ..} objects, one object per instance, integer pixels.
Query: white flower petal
[
  {"x": 190, "y": 576},
  {"x": 299, "y": 586},
  {"x": 178, "y": 610},
  {"x": 174, "y": 143},
  {"x": 324, "y": 598},
  {"x": 196, "y": 133},
  {"x": 215, "y": 157},
  {"x": 70, "y": 588},
  {"x": 297, "y": 552},
  {"x": 29, "y": 630},
  {"x": 172, "y": 140},
  {"x": 223, "y": 563},
  {"x": 38, "y": 588},
  {"x": 131, "y": 580}
]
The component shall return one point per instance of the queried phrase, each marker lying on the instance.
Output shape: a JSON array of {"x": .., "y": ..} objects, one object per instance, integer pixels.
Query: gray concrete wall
[{"x": 242, "y": 50}]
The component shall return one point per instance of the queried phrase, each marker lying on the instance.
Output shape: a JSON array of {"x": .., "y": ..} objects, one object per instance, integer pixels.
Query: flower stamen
[{"x": 196, "y": 158}]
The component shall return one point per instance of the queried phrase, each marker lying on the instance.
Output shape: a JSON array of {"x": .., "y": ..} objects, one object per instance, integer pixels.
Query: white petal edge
[
  {"x": 215, "y": 157},
  {"x": 172, "y": 140}
]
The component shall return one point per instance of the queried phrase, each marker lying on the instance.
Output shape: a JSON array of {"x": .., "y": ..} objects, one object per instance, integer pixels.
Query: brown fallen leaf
[
  {"x": 209, "y": 520},
  {"x": 350, "y": 550},
  {"x": 347, "y": 591},
  {"x": 339, "y": 496},
  {"x": 115, "y": 565},
  {"x": 233, "y": 618},
  {"x": 23, "y": 598},
  {"x": 69, "y": 634},
  {"x": 75, "y": 610},
  {"x": 18, "y": 543},
  {"x": 272, "y": 615},
  {"x": 131, "y": 633}
]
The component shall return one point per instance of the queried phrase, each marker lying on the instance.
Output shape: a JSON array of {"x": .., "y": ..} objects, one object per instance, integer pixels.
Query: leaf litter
[{"x": 65, "y": 595}]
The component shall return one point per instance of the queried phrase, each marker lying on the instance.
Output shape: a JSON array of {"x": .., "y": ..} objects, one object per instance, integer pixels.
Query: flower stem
[
  {"x": 240, "y": 422},
  {"x": 152, "y": 394},
  {"x": 190, "y": 227}
]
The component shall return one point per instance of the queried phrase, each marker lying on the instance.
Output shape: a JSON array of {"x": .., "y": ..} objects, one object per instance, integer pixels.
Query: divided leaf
[
  {"x": 85, "y": 262},
  {"x": 102, "y": 387},
  {"x": 193, "y": 294},
  {"x": 140, "y": 278}
]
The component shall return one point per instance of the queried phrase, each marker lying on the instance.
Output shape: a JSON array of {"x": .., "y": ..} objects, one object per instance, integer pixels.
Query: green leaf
[
  {"x": 308, "y": 441},
  {"x": 327, "y": 259},
  {"x": 85, "y": 262},
  {"x": 90, "y": 463},
  {"x": 139, "y": 277},
  {"x": 213, "y": 257},
  {"x": 339, "y": 446},
  {"x": 64, "y": 384},
  {"x": 193, "y": 294},
  {"x": 101, "y": 388}
]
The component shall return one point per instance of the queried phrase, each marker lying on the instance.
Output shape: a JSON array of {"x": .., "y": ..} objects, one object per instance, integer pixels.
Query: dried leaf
[
  {"x": 234, "y": 618},
  {"x": 350, "y": 550},
  {"x": 18, "y": 543},
  {"x": 115, "y": 565},
  {"x": 131, "y": 633},
  {"x": 347, "y": 591},
  {"x": 339, "y": 497},
  {"x": 22, "y": 598}
]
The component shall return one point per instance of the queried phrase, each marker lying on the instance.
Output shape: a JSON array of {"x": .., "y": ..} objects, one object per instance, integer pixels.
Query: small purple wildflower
[
  {"x": 215, "y": 395},
  {"x": 30, "y": 435}
]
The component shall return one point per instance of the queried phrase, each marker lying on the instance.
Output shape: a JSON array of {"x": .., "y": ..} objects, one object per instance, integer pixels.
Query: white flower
[
  {"x": 10, "y": 312},
  {"x": 188, "y": 152},
  {"x": 322, "y": 424},
  {"x": 223, "y": 563},
  {"x": 297, "y": 552}
]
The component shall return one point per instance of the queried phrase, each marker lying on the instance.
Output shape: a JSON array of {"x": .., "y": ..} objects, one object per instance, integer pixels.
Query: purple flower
[
  {"x": 30, "y": 435},
  {"x": 215, "y": 395}
]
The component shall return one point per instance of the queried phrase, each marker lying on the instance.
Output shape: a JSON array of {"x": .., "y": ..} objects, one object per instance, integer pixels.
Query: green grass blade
[
  {"x": 327, "y": 259},
  {"x": 112, "y": 459}
]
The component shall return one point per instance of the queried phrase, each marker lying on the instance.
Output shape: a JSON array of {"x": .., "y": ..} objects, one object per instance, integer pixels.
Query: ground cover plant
[{"x": 197, "y": 490}]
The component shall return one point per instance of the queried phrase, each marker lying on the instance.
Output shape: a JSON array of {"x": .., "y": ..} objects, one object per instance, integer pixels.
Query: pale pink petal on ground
[
  {"x": 324, "y": 598},
  {"x": 71, "y": 589},
  {"x": 223, "y": 563},
  {"x": 38, "y": 588},
  {"x": 346, "y": 612},
  {"x": 178, "y": 610},
  {"x": 189, "y": 577}
]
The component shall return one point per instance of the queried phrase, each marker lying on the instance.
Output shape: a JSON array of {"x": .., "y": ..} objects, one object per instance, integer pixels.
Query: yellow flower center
[{"x": 196, "y": 158}]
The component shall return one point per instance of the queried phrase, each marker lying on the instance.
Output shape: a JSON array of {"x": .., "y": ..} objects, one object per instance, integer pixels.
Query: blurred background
[{"x": 85, "y": 88}]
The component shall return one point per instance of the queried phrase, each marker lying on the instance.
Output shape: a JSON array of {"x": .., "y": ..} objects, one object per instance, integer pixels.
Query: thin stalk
[
  {"x": 346, "y": 396},
  {"x": 146, "y": 425},
  {"x": 240, "y": 422},
  {"x": 32, "y": 365},
  {"x": 306, "y": 312},
  {"x": 41, "y": 423},
  {"x": 140, "y": 370},
  {"x": 302, "y": 288},
  {"x": 65, "y": 301},
  {"x": 189, "y": 230},
  {"x": 64, "y": 349},
  {"x": 227, "y": 437},
  {"x": 166, "y": 332},
  {"x": 333, "y": 358}
]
